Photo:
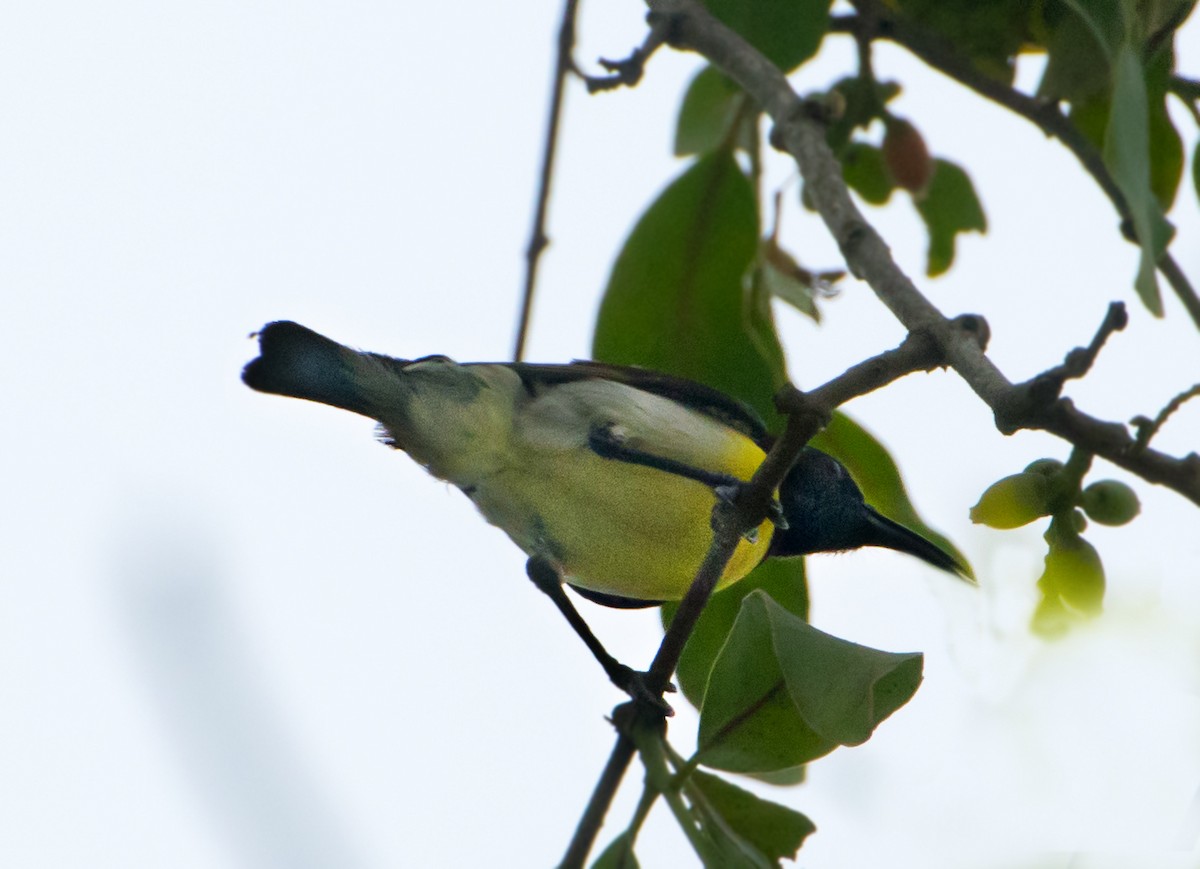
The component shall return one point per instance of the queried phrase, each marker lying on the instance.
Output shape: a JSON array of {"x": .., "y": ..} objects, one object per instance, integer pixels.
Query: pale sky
[{"x": 235, "y": 631}]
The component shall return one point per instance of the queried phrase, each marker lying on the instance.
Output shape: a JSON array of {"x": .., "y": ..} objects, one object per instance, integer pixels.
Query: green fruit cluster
[{"x": 1072, "y": 582}]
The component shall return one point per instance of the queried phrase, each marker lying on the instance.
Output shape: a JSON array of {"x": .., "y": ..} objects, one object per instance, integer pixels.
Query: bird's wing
[{"x": 703, "y": 399}]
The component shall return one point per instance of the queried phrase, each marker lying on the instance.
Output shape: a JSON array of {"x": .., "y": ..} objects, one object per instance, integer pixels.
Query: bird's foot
[
  {"x": 729, "y": 492},
  {"x": 633, "y": 683}
]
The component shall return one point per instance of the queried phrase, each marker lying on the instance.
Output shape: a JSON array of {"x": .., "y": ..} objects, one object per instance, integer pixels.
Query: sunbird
[{"x": 604, "y": 475}]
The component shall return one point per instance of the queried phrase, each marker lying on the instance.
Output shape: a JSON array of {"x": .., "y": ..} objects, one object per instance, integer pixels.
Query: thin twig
[
  {"x": 1178, "y": 280},
  {"x": 597, "y": 807},
  {"x": 1148, "y": 428},
  {"x": 645, "y": 803},
  {"x": 1047, "y": 386},
  {"x": 1188, "y": 91},
  {"x": 538, "y": 239},
  {"x": 628, "y": 71}
]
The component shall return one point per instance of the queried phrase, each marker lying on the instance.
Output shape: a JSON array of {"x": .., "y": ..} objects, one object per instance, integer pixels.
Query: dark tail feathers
[{"x": 298, "y": 362}]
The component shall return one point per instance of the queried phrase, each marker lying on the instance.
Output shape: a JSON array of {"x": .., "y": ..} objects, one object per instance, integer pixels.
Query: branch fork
[{"x": 807, "y": 413}]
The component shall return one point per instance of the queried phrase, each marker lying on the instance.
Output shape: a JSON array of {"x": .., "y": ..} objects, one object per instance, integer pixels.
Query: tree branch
[
  {"x": 602, "y": 797},
  {"x": 1048, "y": 385},
  {"x": 1148, "y": 428},
  {"x": 628, "y": 71},
  {"x": 537, "y": 240},
  {"x": 876, "y": 21},
  {"x": 933, "y": 341},
  {"x": 799, "y": 131},
  {"x": 807, "y": 414},
  {"x": 1188, "y": 92}
]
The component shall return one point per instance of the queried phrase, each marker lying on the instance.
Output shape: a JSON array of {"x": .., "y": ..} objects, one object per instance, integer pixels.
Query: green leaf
[
  {"x": 863, "y": 100},
  {"x": 1166, "y": 145},
  {"x": 677, "y": 299},
  {"x": 784, "y": 285},
  {"x": 1145, "y": 24},
  {"x": 1129, "y": 120},
  {"x": 866, "y": 174},
  {"x": 1164, "y": 16},
  {"x": 711, "y": 104},
  {"x": 618, "y": 855},
  {"x": 1166, "y": 156},
  {"x": 788, "y": 32},
  {"x": 988, "y": 34},
  {"x": 1127, "y": 155},
  {"x": 1078, "y": 64},
  {"x": 748, "y": 722},
  {"x": 782, "y": 578},
  {"x": 1091, "y": 117},
  {"x": 716, "y": 844},
  {"x": 760, "y": 324},
  {"x": 783, "y": 778},
  {"x": 780, "y": 276},
  {"x": 1196, "y": 169},
  {"x": 775, "y": 830},
  {"x": 876, "y": 473},
  {"x": 782, "y": 693},
  {"x": 949, "y": 207},
  {"x": 1104, "y": 19}
]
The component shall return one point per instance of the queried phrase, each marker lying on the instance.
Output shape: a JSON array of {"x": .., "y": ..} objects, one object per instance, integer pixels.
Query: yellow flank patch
[
  {"x": 621, "y": 528},
  {"x": 611, "y": 525}
]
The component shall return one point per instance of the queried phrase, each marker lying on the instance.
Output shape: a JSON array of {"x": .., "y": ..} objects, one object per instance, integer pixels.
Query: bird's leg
[
  {"x": 607, "y": 442},
  {"x": 632, "y": 682}
]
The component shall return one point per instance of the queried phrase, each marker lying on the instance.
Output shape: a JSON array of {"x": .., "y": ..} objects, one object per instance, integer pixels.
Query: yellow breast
[{"x": 610, "y": 525}]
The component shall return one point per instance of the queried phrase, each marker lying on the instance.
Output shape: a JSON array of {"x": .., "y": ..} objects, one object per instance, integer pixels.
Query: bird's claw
[
  {"x": 633, "y": 683},
  {"x": 776, "y": 515},
  {"x": 728, "y": 492}
]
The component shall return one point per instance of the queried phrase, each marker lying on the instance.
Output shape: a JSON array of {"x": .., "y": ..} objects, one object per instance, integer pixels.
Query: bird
[{"x": 604, "y": 475}]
